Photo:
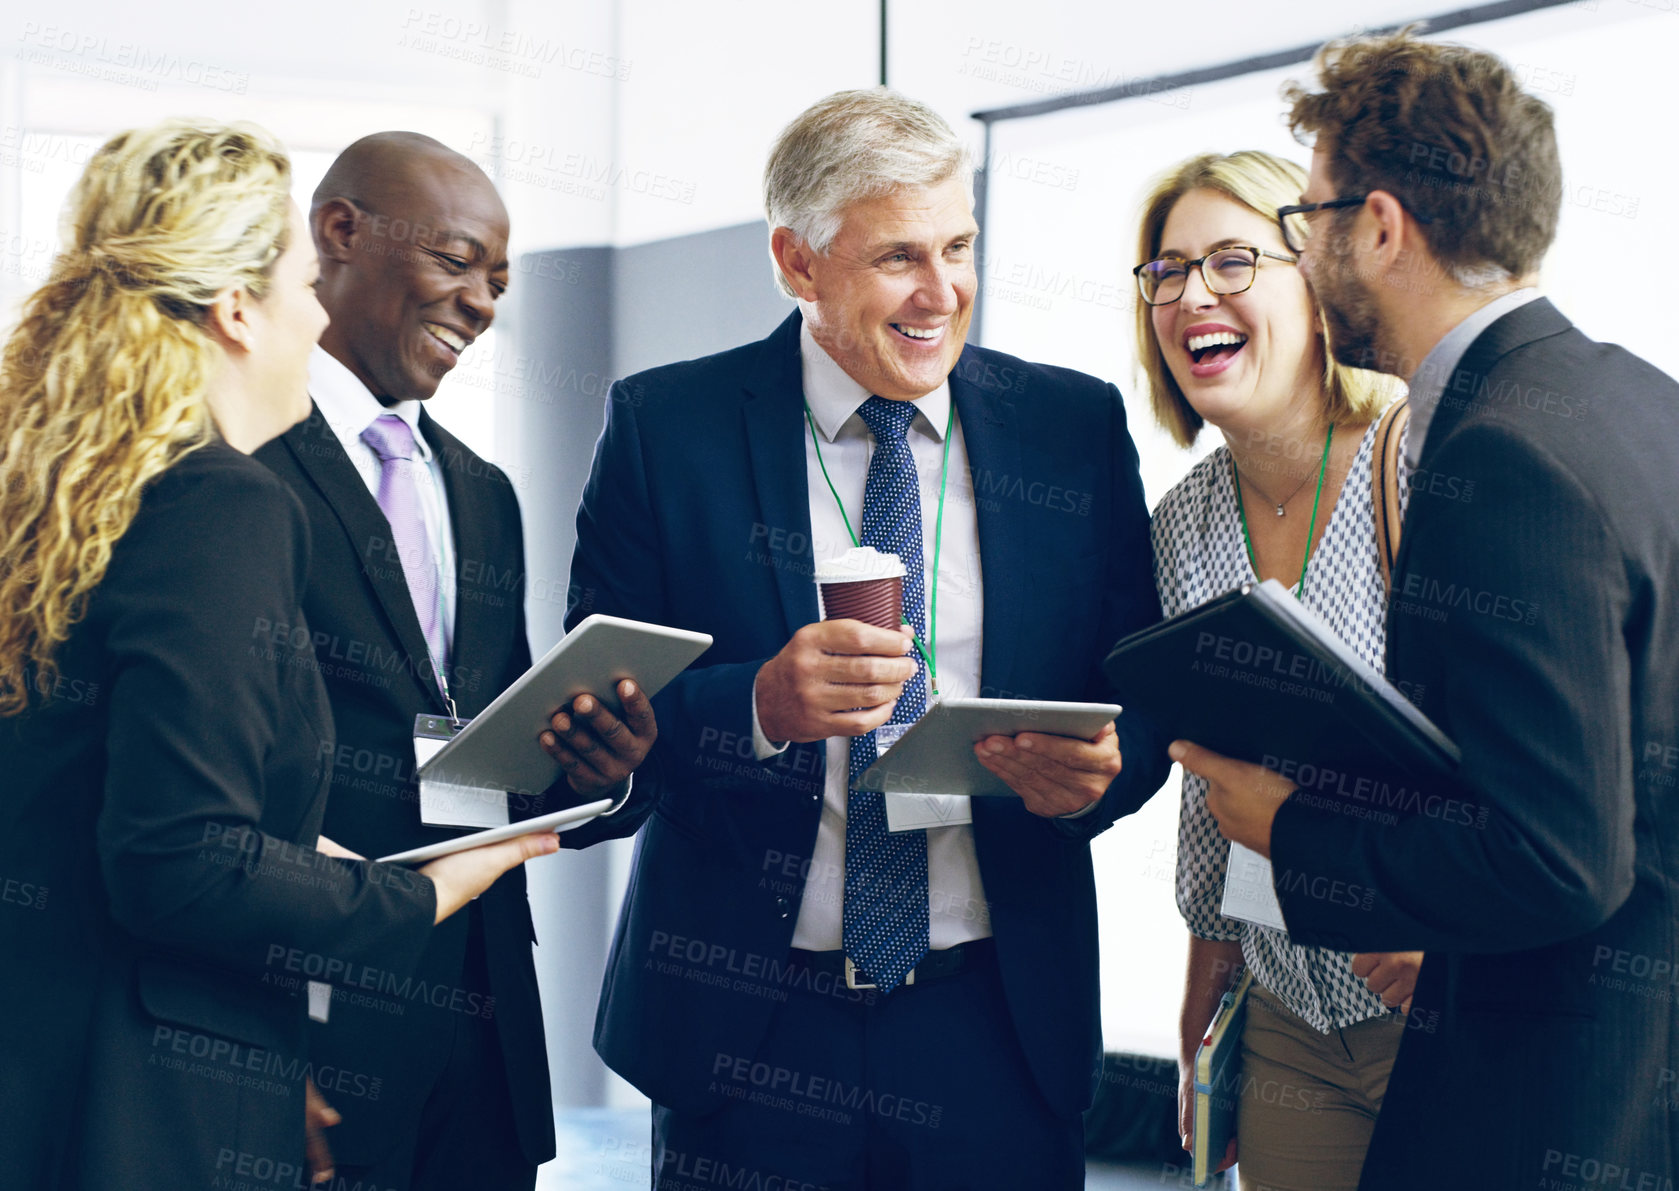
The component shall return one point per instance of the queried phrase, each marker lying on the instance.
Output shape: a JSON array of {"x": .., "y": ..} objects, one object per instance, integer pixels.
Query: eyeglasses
[
  {"x": 1226, "y": 271},
  {"x": 1296, "y": 231}
]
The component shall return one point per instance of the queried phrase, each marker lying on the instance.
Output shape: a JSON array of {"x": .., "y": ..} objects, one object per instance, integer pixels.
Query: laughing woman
[{"x": 1231, "y": 336}]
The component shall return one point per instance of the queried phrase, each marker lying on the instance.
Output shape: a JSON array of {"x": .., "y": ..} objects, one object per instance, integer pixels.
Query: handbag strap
[{"x": 1384, "y": 486}]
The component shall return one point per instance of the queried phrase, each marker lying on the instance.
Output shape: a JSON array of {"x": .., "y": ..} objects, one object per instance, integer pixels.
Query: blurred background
[{"x": 628, "y": 137}]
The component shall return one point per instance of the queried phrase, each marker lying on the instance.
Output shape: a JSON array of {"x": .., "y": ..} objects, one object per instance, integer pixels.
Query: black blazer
[
  {"x": 1536, "y": 616},
  {"x": 162, "y": 901},
  {"x": 373, "y": 657},
  {"x": 697, "y": 515}
]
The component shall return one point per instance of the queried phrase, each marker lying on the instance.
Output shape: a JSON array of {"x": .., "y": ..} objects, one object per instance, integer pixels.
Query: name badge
[
  {"x": 446, "y": 802},
  {"x": 888, "y": 735},
  {"x": 320, "y": 1000},
  {"x": 918, "y": 812}
]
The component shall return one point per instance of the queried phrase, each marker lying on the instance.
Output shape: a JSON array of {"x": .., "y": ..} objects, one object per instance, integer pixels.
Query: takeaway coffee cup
[{"x": 863, "y": 584}]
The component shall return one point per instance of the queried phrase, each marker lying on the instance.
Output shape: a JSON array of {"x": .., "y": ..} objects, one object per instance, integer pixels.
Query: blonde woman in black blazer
[{"x": 163, "y": 732}]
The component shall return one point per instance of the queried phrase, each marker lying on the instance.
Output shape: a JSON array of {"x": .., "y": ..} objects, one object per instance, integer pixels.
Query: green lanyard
[
  {"x": 1311, "y": 529},
  {"x": 930, "y": 650}
]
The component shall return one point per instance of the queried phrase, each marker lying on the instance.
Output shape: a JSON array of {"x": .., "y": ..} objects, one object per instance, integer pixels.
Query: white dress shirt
[
  {"x": 1428, "y": 383},
  {"x": 349, "y": 408},
  {"x": 957, "y": 911}
]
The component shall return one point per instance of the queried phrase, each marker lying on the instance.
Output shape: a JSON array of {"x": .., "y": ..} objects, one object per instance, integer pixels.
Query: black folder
[{"x": 1254, "y": 675}]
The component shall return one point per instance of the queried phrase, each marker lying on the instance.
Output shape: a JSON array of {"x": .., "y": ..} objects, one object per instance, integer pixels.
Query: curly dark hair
[{"x": 1448, "y": 131}]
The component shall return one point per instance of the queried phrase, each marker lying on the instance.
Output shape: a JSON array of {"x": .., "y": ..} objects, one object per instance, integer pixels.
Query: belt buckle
[{"x": 852, "y": 982}]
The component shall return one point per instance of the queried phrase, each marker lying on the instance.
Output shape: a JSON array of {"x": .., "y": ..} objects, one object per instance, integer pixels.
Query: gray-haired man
[{"x": 805, "y": 994}]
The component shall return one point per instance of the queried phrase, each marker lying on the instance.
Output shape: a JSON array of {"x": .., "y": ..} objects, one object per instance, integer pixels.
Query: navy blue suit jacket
[{"x": 697, "y": 515}]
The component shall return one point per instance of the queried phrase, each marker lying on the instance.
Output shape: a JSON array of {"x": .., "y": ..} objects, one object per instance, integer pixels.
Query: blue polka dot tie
[{"x": 885, "y": 929}]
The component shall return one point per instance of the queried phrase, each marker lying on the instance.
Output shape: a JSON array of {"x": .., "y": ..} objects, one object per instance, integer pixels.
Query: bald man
[{"x": 415, "y": 604}]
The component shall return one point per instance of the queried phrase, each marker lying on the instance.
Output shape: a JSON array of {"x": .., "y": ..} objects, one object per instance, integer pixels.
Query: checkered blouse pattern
[{"x": 1199, "y": 554}]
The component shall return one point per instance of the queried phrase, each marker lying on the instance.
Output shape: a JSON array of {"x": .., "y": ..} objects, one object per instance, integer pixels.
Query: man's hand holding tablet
[
  {"x": 1057, "y": 758},
  {"x": 1054, "y": 775},
  {"x": 597, "y": 749}
]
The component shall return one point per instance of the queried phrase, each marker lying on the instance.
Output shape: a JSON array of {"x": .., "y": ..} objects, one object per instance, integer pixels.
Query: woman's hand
[
  {"x": 1186, "y": 1117},
  {"x": 1211, "y": 969},
  {"x": 327, "y": 847},
  {"x": 318, "y": 1117},
  {"x": 462, "y": 876},
  {"x": 1186, "y": 1106},
  {"x": 1391, "y": 975}
]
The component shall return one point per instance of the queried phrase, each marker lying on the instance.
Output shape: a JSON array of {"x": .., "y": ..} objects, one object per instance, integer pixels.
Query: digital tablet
[
  {"x": 936, "y": 755},
  {"x": 1255, "y": 675},
  {"x": 570, "y": 817},
  {"x": 498, "y": 749}
]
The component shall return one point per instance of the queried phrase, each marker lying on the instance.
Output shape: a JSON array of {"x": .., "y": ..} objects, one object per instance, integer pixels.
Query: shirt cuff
[
  {"x": 1083, "y": 810},
  {"x": 619, "y": 800},
  {"x": 763, "y": 748}
]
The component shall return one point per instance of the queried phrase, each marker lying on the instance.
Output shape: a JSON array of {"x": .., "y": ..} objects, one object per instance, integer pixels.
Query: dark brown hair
[{"x": 1448, "y": 131}]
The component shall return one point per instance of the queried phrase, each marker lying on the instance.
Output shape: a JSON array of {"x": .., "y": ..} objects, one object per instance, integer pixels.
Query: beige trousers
[{"x": 1308, "y": 1100}]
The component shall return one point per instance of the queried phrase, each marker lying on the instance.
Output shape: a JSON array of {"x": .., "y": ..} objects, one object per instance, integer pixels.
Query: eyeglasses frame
[
  {"x": 1200, "y": 263},
  {"x": 1351, "y": 200}
]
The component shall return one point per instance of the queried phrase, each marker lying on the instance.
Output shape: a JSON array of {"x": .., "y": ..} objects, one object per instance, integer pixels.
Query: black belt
[{"x": 935, "y": 965}]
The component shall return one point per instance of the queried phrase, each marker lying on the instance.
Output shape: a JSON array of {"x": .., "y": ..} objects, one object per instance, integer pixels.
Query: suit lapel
[
  {"x": 775, "y": 428},
  {"x": 320, "y": 455},
  {"x": 468, "y": 506},
  {"x": 991, "y": 434},
  {"x": 1536, "y": 320},
  {"x": 1523, "y": 325}
]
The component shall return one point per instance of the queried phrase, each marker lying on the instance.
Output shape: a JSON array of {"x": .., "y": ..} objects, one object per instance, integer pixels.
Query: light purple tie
[{"x": 400, "y": 465}]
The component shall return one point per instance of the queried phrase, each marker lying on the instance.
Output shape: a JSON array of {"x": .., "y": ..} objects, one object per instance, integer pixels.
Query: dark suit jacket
[
  {"x": 158, "y": 912},
  {"x": 1538, "y": 620},
  {"x": 697, "y": 515},
  {"x": 373, "y": 656}
]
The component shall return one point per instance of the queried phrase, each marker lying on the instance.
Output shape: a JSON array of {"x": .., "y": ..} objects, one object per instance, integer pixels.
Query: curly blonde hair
[{"x": 103, "y": 382}]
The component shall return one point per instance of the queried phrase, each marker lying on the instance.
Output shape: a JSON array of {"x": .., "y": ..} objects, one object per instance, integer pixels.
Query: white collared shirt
[
  {"x": 349, "y": 408},
  {"x": 1428, "y": 383},
  {"x": 957, "y": 910}
]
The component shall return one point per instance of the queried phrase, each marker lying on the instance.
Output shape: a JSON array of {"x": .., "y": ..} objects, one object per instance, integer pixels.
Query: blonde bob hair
[
  {"x": 103, "y": 382},
  {"x": 1260, "y": 182}
]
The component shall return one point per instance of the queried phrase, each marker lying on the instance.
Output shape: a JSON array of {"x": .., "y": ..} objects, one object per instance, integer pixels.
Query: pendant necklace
[
  {"x": 1311, "y": 528},
  {"x": 1301, "y": 484}
]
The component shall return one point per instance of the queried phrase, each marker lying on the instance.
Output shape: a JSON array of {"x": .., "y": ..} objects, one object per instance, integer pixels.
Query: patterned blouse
[{"x": 1199, "y": 554}]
